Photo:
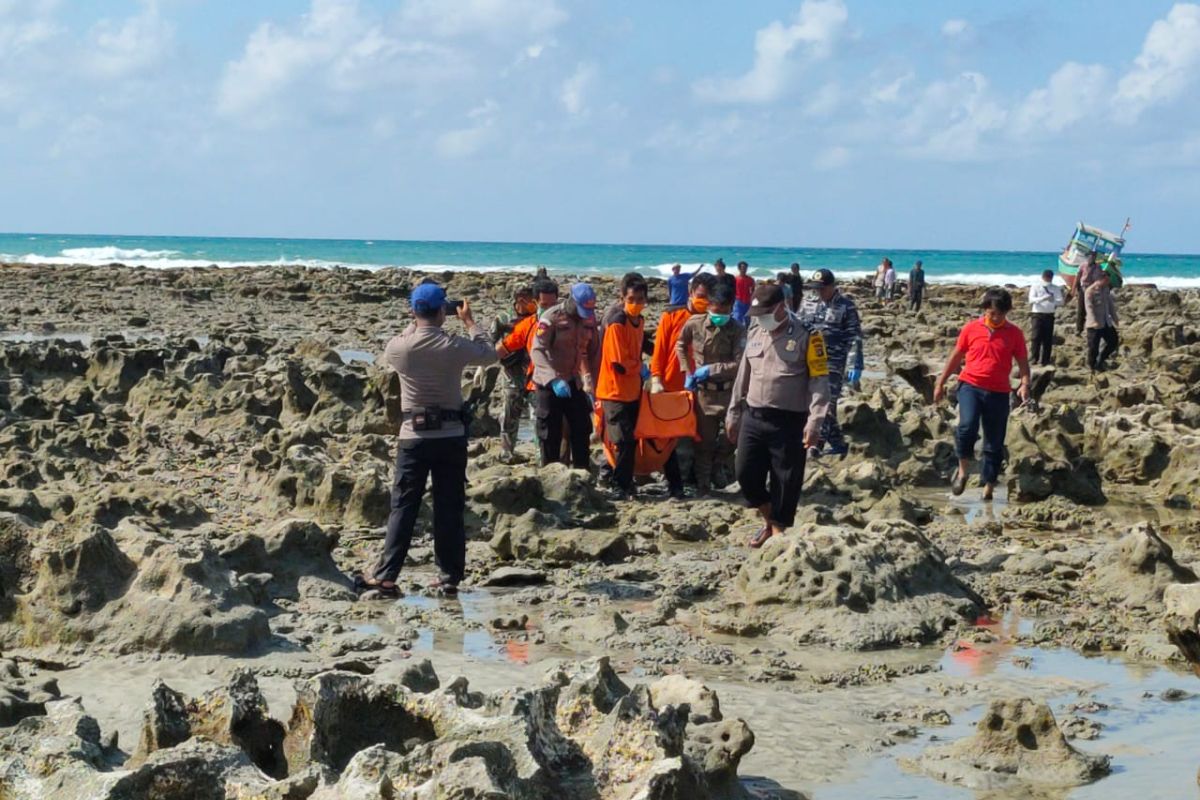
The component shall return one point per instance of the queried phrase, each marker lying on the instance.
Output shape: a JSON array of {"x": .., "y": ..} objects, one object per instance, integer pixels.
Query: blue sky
[{"x": 819, "y": 122}]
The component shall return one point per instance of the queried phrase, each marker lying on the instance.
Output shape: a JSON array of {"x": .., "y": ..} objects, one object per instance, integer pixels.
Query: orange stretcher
[{"x": 663, "y": 419}]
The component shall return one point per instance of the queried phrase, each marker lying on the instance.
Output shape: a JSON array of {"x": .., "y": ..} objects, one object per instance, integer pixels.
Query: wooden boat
[{"x": 1086, "y": 240}]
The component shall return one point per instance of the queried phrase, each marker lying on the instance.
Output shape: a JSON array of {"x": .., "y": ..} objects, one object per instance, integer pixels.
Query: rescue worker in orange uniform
[
  {"x": 619, "y": 384},
  {"x": 666, "y": 372}
]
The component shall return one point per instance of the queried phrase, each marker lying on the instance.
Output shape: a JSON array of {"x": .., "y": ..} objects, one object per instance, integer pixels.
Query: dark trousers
[
  {"x": 1042, "y": 335},
  {"x": 551, "y": 410},
  {"x": 914, "y": 300},
  {"x": 1097, "y": 354},
  {"x": 979, "y": 407},
  {"x": 620, "y": 422},
  {"x": 445, "y": 460},
  {"x": 673, "y": 473},
  {"x": 770, "y": 461},
  {"x": 831, "y": 429},
  {"x": 1080, "y": 307}
]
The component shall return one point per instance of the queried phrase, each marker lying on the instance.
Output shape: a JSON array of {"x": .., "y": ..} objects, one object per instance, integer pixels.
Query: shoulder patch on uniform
[
  {"x": 542, "y": 327},
  {"x": 818, "y": 358}
]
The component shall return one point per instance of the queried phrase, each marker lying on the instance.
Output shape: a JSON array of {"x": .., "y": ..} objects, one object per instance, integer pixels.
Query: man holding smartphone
[{"x": 433, "y": 436}]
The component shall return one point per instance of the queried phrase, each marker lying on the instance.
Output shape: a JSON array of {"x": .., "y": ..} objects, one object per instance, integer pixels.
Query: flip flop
[
  {"x": 760, "y": 538},
  {"x": 381, "y": 589}
]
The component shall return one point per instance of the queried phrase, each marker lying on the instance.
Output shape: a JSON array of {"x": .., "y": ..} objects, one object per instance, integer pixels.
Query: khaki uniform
[
  {"x": 429, "y": 362},
  {"x": 719, "y": 347},
  {"x": 565, "y": 346},
  {"x": 780, "y": 397}
]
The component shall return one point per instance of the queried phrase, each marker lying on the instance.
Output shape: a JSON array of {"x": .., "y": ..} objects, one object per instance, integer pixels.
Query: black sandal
[
  {"x": 383, "y": 590},
  {"x": 959, "y": 483}
]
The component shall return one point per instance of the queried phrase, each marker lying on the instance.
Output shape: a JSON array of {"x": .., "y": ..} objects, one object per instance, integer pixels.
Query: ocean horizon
[{"x": 941, "y": 265}]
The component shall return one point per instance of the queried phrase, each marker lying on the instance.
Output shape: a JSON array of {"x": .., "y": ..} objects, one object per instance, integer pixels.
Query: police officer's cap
[
  {"x": 819, "y": 279},
  {"x": 427, "y": 297},
  {"x": 766, "y": 297}
]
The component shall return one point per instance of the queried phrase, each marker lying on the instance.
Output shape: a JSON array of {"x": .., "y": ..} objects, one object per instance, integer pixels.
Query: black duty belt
[
  {"x": 715, "y": 386},
  {"x": 444, "y": 414},
  {"x": 777, "y": 414}
]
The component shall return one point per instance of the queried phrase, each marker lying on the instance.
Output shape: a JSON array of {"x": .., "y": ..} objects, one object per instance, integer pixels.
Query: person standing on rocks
[
  {"x": 433, "y": 436},
  {"x": 1101, "y": 322},
  {"x": 1088, "y": 274},
  {"x": 619, "y": 384},
  {"x": 709, "y": 350},
  {"x": 743, "y": 292},
  {"x": 780, "y": 397},
  {"x": 880, "y": 271},
  {"x": 989, "y": 345},
  {"x": 514, "y": 354},
  {"x": 835, "y": 315},
  {"x": 796, "y": 282},
  {"x": 721, "y": 275},
  {"x": 889, "y": 282},
  {"x": 678, "y": 285},
  {"x": 565, "y": 354},
  {"x": 666, "y": 370},
  {"x": 1044, "y": 300},
  {"x": 916, "y": 287}
]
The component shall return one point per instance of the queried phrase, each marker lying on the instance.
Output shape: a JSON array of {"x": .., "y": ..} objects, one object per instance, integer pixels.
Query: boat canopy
[{"x": 1097, "y": 239}]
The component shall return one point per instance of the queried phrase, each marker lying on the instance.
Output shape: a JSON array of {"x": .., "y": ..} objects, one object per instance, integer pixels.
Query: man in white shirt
[{"x": 1044, "y": 300}]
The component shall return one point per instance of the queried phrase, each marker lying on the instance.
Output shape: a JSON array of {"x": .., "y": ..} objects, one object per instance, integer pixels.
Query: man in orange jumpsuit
[
  {"x": 619, "y": 384},
  {"x": 666, "y": 373}
]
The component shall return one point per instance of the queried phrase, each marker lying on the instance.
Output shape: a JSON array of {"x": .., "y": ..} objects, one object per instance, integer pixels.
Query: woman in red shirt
[{"x": 989, "y": 344}]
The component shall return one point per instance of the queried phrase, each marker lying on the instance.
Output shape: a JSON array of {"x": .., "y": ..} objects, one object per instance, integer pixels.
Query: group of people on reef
[{"x": 763, "y": 365}]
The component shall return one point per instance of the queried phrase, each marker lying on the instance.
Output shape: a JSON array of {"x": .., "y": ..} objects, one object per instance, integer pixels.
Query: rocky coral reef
[{"x": 582, "y": 733}]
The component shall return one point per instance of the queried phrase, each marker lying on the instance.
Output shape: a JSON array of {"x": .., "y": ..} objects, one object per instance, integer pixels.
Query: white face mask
[{"x": 769, "y": 322}]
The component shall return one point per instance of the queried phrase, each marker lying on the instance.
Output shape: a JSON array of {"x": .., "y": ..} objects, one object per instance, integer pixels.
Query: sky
[{"x": 828, "y": 123}]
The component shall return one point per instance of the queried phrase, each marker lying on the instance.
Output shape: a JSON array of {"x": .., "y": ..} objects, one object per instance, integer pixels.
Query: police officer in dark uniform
[
  {"x": 433, "y": 436},
  {"x": 835, "y": 315},
  {"x": 780, "y": 397}
]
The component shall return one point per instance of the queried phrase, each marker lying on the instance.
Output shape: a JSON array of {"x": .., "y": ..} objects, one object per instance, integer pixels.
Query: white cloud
[
  {"x": 815, "y": 29},
  {"x": 889, "y": 93},
  {"x": 832, "y": 158},
  {"x": 334, "y": 49},
  {"x": 24, "y": 26},
  {"x": 465, "y": 142},
  {"x": 574, "y": 88},
  {"x": 120, "y": 49},
  {"x": 954, "y": 28},
  {"x": 1167, "y": 65},
  {"x": 950, "y": 118},
  {"x": 1074, "y": 92},
  {"x": 823, "y": 102},
  {"x": 491, "y": 18}
]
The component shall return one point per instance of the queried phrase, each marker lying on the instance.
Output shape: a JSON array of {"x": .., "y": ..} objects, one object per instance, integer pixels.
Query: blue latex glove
[
  {"x": 854, "y": 375},
  {"x": 560, "y": 388},
  {"x": 701, "y": 373},
  {"x": 645, "y": 372},
  {"x": 689, "y": 382}
]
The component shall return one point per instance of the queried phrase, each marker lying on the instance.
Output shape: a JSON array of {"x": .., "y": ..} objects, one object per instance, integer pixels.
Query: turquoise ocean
[{"x": 941, "y": 266}]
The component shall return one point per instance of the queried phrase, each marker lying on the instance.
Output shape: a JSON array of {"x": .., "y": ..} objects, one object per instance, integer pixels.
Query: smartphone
[{"x": 452, "y": 306}]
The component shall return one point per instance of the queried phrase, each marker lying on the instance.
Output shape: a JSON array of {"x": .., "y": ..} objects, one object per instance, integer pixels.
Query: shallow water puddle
[{"x": 1151, "y": 739}]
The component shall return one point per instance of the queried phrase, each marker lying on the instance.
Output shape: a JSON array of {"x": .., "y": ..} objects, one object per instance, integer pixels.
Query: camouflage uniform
[
  {"x": 839, "y": 322},
  {"x": 515, "y": 379}
]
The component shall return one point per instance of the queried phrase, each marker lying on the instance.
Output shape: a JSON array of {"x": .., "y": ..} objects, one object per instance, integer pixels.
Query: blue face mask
[{"x": 720, "y": 320}]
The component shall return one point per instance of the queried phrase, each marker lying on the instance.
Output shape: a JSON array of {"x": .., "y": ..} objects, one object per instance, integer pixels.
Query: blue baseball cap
[
  {"x": 585, "y": 299},
  {"x": 427, "y": 297}
]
